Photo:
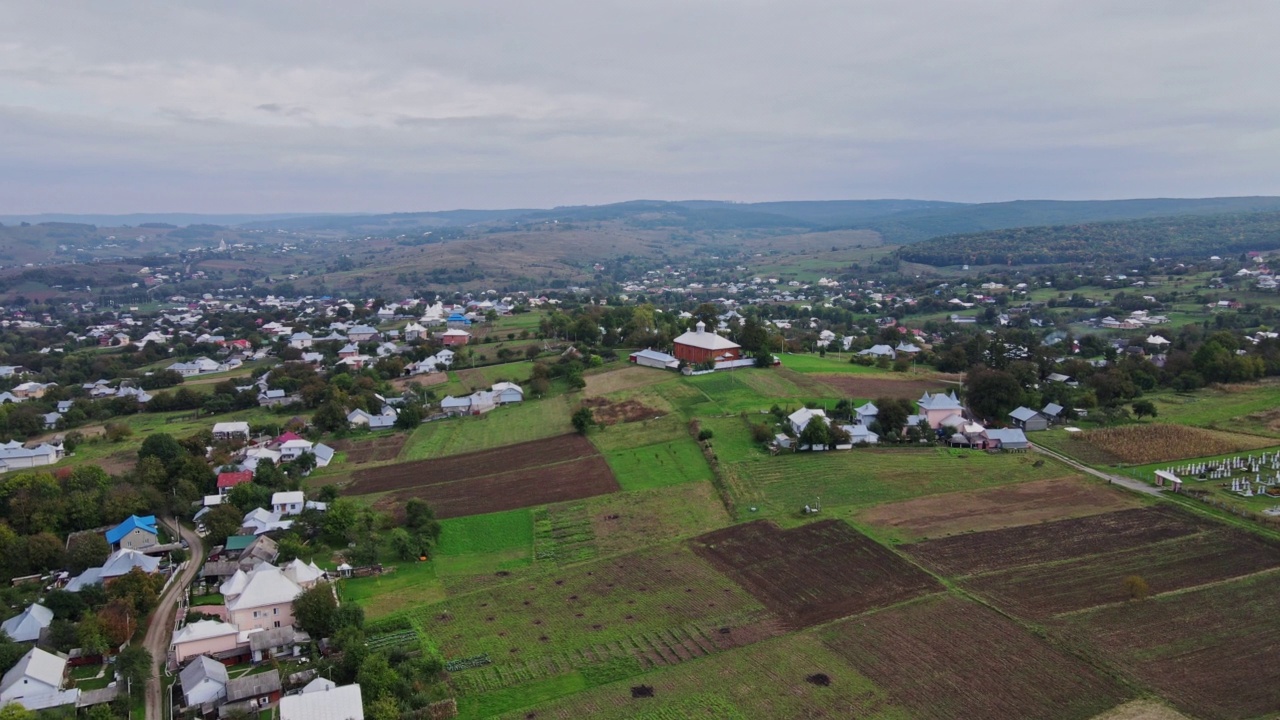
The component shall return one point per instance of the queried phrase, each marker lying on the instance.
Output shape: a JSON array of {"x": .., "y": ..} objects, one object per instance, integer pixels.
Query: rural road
[
  {"x": 160, "y": 631},
  {"x": 1125, "y": 482}
]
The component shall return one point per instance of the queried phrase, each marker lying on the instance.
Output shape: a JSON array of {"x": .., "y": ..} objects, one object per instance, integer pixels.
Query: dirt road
[
  {"x": 1124, "y": 482},
  {"x": 160, "y": 631}
]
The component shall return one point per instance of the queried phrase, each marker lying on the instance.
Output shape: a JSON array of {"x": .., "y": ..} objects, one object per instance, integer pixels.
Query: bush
[{"x": 706, "y": 435}]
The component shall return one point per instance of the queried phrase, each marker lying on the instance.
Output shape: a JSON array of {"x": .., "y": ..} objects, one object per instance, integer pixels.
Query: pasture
[
  {"x": 661, "y": 465},
  {"x": 508, "y": 425}
]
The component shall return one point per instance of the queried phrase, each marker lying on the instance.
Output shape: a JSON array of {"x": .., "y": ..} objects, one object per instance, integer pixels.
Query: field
[
  {"x": 517, "y": 476},
  {"x": 485, "y": 543},
  {"x": 380, "y": 449},
  {"x": 624, "y": 378},
  {"x": 717, "y": 686},
  {"x": 814, "y": 573},
  {"x": 507, "y": 425},
  {"x": 872, "y": 387},
  {"x": 994, "y": 508},
  {"x": 1144, "y": 444},
  {"x": 778, "y": 487},
  {"x": 944, "y": 658},
  {"x": 661, "y": 465},
  {"x": 1210, "y": 651},
  {"x": 1071, "y": 565}
]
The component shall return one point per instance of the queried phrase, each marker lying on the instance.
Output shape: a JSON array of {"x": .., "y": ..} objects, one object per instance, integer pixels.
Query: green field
[
  {"x": 817, "y": 364},
  {"x": 485, "y": 543},
  {"x": 530, "y": 420},
  {"x": 654, "y": 466}
]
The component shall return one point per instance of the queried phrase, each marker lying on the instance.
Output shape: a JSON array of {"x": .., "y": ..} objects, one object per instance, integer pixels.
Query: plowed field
[
  {"x": 1209, "y": 651},
  {"x": 516, "y": 476},
  {"x": 813, "y": 573},
  {"x": 858, "y": 386},
  {"x": 976, "y": 553},
  {"x": 947, "y": 658}
]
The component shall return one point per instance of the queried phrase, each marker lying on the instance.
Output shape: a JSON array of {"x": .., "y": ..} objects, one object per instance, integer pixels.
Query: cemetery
[{"x": 1254, "y": 477}]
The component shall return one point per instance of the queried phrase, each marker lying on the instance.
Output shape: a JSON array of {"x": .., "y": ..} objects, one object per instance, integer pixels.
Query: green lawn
[
  {"x": 530, "y": 420},
  {"x": 485, "y": 543},
  {"x": 1243, "y": 410},
  {"x": 818, "y": 364},
  {"x": 661, "y": 465},
  {"x": 778, "y": 487}
]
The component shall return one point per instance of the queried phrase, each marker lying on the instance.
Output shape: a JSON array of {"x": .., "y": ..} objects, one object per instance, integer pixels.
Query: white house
[
  {"x": 800, "y": 419},
  {"x": 35, "y": 682},
  {"x": 13, "y": 456},
  {"x": 383, "y": 421},
  {"x": 27, "y": 625},
  {"x": 204, "y": 680},
  {"x": 231, "y": 431},
  {"x": 507, "y": 392},
  {"x": 288, "y": 503},
  {"x": 655, "y": 359},
  {"x": 323, "y": 701}
]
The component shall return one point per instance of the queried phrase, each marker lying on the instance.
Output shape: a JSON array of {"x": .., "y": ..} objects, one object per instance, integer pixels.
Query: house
[
  {"x": 1053, "y": 412},
  {"x": 50, "y": 420},
  {"x": 349, "y": 351},
  {"x": 228, "y": 480},
  {"x": 301, "y": 340},
  {"x": 135, "y": 533},
  {"x": 362, "y": 333},
  {"x": 908, "y": 348},
  {"x": 231, "y": 431},
  {"x": 203, "y": 680},
  {"x": 323, "y": 454},
  {"x": 866, "y": 414},
  {"x": 324, "y": 702},
  {"x": 288, "y": 503},
  {"x": 118, "y": 563},
  {"x": 655, "y": 359},
  {"x": 305, "y": 575},
  {"x": 801, "y": 418},
  {"x": 261, "y": 598},
  {"x": 294, "y": 447},
  {"x": 277, "y": 642},
  {"x": 198, "y": 366},
  {"x": 699, "y": 346},
  {"x": 273, "y": 398},
  {"x": 31, "y": 390},
  {"x": 859, "y": 434},
  {"x": 383, "y": 421},
  {"x": 260, "y": 520},
  {"x": 507, "y": 392},
  {"x": 477, "y": 403},
  {"x": 454, "y": 337},
  {"x": 880, "y": 351},
  {"x": 413, "y": 331},
  {"x": 204, "y": 637},
  {"x": 27, "y": 625},
  {"x": 1009, "y": 439},
  {"x": 14, "y": 456},
  {"x": 457, "y": 320},
  {"x": 1029, "y": 420},
  {"x": 940, "y": 409},
  {"x": 261, "y": 549},
  {"x": 251, "y": 692},
  {"x": 35, "y": 682}
]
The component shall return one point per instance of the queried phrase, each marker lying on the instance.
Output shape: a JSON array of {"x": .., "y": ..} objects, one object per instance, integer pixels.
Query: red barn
[{"x": 698, "y": 346}]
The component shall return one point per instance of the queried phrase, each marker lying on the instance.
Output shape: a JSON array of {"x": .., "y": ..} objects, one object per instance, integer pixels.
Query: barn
[{"x": 699, "y": 346}]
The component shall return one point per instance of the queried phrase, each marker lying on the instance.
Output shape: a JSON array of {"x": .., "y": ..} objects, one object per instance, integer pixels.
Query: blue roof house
[{"x": 134, "y": 533}]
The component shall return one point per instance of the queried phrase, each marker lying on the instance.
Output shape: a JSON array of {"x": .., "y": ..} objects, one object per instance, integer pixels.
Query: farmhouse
[
  {"x": 27, "y": 625},
  {"x": 699, "y": 346},
  {"x": 35, "y": 682},
  {"x": 801, "y": 418},
  {"x": 384, "y": 420},
  {"x": 655, "y": 359},
  {"x": 250, "y": 692},
  {"x": 507, "y": 392},
  {"x": 288, "y": 503},
  {"x": 1008, "y": 439},
  {"x": 1029, "y": 420}
]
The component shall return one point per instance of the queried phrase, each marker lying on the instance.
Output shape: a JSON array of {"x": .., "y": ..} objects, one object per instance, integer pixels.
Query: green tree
[
  {"x": 330, "y": 417},
  {"x": 1144, "y": 408},
  {"x": 163, "y": 447},
  {"x": 377, "y": 680},
  {"x": 86, "y": 550},
  {"x": 316, "y": 611},
  {"x": 403, "y": 544},
  {"x": 992, "y": 394},
  {"x": 222, "y": 522},
  {"x": 134, "y": 665},
  {"x": 409, "y": 418},
  {"x": 816, "y": 432},
  {"x": 140, "y": 589},
  {"x": 582, "y": 420}
]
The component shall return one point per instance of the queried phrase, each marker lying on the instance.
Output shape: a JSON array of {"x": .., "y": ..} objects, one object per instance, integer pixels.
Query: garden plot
[
  {"x": 813, "y": 573},
  {"x": 947, "y": 658},
  {"x": 1210, "y": 651}
]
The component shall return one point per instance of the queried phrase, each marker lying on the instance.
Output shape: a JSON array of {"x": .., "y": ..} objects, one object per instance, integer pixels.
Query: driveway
[
  {"x": 1122, "y": 481},
  {"x": 160, "y": 631}
]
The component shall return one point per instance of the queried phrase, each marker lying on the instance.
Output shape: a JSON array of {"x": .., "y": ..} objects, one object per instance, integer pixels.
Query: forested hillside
[{"x": 1170, "y": 237}]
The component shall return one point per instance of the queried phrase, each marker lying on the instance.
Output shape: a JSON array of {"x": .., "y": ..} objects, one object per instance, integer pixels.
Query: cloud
[{"x": 404, "y": 106}]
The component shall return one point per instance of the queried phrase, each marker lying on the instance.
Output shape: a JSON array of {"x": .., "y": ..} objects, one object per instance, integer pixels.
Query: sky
[{"x": 313, "y": 106}]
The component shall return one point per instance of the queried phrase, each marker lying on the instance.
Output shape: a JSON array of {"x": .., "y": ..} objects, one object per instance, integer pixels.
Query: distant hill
[
  {"x": 1179, "y": 237},
  {"x": 139, "y": 219}
]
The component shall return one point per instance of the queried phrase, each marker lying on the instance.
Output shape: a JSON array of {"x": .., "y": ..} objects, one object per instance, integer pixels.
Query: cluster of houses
[{"x": 943, "y": 412}]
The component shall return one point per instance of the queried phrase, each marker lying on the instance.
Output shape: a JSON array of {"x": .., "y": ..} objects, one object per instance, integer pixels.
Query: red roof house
[{"x": 228, "y": 480}]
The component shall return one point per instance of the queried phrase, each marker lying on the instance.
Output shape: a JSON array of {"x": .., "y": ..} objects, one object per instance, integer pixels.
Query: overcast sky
[{"x": 376, "y": 106}]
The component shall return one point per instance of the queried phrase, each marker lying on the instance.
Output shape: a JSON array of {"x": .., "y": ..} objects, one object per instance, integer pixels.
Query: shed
[{"x": 1029, "y": 420}]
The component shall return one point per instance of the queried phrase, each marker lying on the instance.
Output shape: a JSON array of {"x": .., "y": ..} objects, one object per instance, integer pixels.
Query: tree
[
  {"x": 133, "y": 665},
  {"x": 163, "y": 447},
  {"x": 403, "y": 544},
  {"x": 89, "y": 634},
  {"x": 118, "y": 621},
  {"x": 316, "y": 611},
  {"x": 1144, "y": 408},
  {"x": 816, "y": 432},
  {"x": 86, "y": 550},
  {"x": 409, "y": 418},
  {"x": 993, "y": 393},
  {"x": 582, "y": 420},
  {"x": 222, "y": 522},
  {"x": 330, "y": 417},
  {"x": 1136, "y": 587},
  {"x": 44, "y": 552},
  {"x": 140, "y": 589},
  {"x": 386, "y": 708},
  {"x": 377, "y": 679}
]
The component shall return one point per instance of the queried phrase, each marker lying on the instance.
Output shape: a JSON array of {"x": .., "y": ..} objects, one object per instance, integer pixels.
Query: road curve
[
  {"x": 1122, "y": 481},
  {"x": 160, "y": 631}
]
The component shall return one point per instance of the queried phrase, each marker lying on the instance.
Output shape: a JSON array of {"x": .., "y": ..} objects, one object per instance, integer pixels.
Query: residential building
[
  {"x": 204, "y": 637},
  {"x": 203, "y": 680},
  {"x": 655, "y": 359},
  {"x": 135, "y": 533},
  {"x": 324, "y": 702},
  {"x": 27, "y": 625},
  {"x": 35, "y": 682},
  {"x": 1029, "y": 420},
  {"x": 231, "y": 431},
  {"x": 288, "y": 503},
  {"x": 261, "y": 598}
]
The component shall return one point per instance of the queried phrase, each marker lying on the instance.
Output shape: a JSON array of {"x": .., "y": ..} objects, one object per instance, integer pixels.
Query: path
[
  {"x": 160, "y": 631},
  {"x": 1122, "y": 481}
]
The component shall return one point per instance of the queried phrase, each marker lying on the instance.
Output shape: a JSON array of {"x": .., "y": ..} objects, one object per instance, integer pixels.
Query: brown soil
[
  {"x": 383, "y": 449},
  {"x": 945, "y": 658},
  {"x": 995, "y": 508},
  {"x": 424, "y": 380},
  {"x": 813, "y": 573},
  {"x": 612, "y": 413},
  {"x": 862, "y": 386},
  {"x": 575, "y": 479}
]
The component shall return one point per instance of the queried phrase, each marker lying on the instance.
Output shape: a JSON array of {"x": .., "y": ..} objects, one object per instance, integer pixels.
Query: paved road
[
  {"x": 1122, "y": 481},
  {"x": 160, "y": 631}
]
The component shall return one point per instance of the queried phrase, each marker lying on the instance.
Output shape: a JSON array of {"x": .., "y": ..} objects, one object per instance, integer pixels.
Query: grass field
[
  {"x": 1250, "y": 408},
  {"x": 818, "y": 364},
  {"x": 530, "y": 420},
  {"x": 485, "y": 543},
  {"x": 662, "y": 465},
  {"x": 778, "y": 487}
]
